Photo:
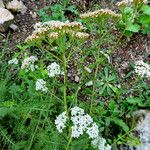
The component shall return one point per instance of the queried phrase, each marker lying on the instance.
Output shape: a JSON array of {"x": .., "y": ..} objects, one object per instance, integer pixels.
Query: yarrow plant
[
  {"x": 142, "y": 69},
  {"x": 81, "y": 123},
  {"x": 100, "y": 13},
  {"x": 130, "y": 2},
  {"x": 54, "y": 29}
]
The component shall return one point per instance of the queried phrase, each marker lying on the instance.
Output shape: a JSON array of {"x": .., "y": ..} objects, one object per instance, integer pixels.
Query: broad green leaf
[
  {"x": 146, "y": 9},
  {"x": 120, "y": 123},
  {"x": 133, "y": 28},
  {"x": 134, "y": 100},
  {"x": 128, "y": 10}
]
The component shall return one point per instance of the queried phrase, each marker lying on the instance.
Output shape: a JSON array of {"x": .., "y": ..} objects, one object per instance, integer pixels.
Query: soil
[{"x": 138, "y": 47}]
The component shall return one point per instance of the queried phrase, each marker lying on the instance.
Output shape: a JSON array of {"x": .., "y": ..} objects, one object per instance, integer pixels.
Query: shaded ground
[{"x": 137, "y": 48}]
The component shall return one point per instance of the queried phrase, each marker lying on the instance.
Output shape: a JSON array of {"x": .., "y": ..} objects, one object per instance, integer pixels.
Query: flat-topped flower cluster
[
  {"x": 142, "y": 69},
  {"x": 100, "y": 13},
  {"x": 54, "y": 29},
  {"x": 81, "y": 123},
  {"x": 130, "y": 2}
]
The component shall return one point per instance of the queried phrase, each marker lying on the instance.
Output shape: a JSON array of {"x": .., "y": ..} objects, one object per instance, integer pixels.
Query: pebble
[
  {"x": 77, "y": 78},
  {"x": 14, "y": 27}
]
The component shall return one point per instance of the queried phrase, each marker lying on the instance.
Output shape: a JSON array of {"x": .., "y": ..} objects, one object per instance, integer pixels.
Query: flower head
[
  {"x": 41, "y": 85},
  {"x": 13, "y": 61},
  {"x": 54, "y": 69},
  {"x": 100, "y": 13},
  {"x": 28, "y": 63},
  {"x": 142, "y": 69},
  {"x": 60, "y": 122}
]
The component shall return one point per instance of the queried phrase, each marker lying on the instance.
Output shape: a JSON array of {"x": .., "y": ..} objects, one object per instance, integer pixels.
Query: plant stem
[
  {"x": 65, "y": 83},
  {"x": 93, "y": 90},
  {"x": 69, "y": 142}
]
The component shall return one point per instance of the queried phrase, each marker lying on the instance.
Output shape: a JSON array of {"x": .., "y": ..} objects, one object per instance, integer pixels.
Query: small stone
[
  {"x": 2, "y": 4},
  {"x": 33, "y": 14},
  {"x": 14, "y": 27},
  {"x": 16, "y": 6},
  {"x": 77, "y": 79},
  {"x": 6, "y": 18}
]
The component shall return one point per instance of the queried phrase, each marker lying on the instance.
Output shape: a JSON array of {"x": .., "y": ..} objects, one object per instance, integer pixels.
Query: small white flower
[
  {"x": 41, "y": 85},
  {"x": 28, "y": 63},
  {"x": 142, "y": 69},
  {"x": 90, "y": 83},
  {"x": 76, "y": 131},
  {"x": 60, "y": 122},
  {"x": 54, "y": 69},
  {"x": 76, "y": 111},
  {"x": 100, "y": 143},
  {"x": 93, "y": 131},
  {"x": 13, "y": 61}
]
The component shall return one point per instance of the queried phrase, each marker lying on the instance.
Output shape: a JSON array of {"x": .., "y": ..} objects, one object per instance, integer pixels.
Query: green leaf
[
  {"x": 133, "y": 28},
  {"x": 146, "y": 9},
  {"x": 115, "y": 89},
  {"x": 144, "y": 20},
  {"x": 134, "y": 100},
  {"x": 128, "y": 10},
  {"x": 120, "y": 123}
]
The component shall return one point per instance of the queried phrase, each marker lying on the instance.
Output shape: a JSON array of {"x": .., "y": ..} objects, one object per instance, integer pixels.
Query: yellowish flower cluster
[
  {"x": 58, "y": 25},
  {"x": 55, "y": 28},
  {"x": 122, "y": 3},
  {"x": 129, "y": 2},
  {"x": 82, "y": 35},
  {"x": 99, "y": 13}
]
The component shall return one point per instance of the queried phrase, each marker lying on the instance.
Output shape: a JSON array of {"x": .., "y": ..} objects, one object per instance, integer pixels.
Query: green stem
[
  {"x": 65, "y": 83},
  {"x": 94, "y": 89},
  {"x": 69, "y": 142}
]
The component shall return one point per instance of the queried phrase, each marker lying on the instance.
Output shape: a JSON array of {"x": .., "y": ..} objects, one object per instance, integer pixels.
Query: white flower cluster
[
  {"x": 28, "y": 63},
  {"x": 13, "y": 61},
  {"x": 142, "y": 69},
  {"x": 54, "y": 69},
  {"x": 99, "y": 13},
  {"x": 100, "y": 143},
  {"x": 82, "y": 123},
  {"x": 41, "y": 85},
  {"x": 60, "y": 122}
]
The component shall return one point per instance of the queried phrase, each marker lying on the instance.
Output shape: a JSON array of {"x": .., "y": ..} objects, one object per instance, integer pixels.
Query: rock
[
  {"x": 33, "y": 14},
  {"x": 77, "y": 78},
  {"x": 2, "y": 4},
  {"x": 14, "y": 27},
  {"x": 6, "y": 18},
  {"x": 16, "y": 6},
  {"x": 143, "y": 130}
]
